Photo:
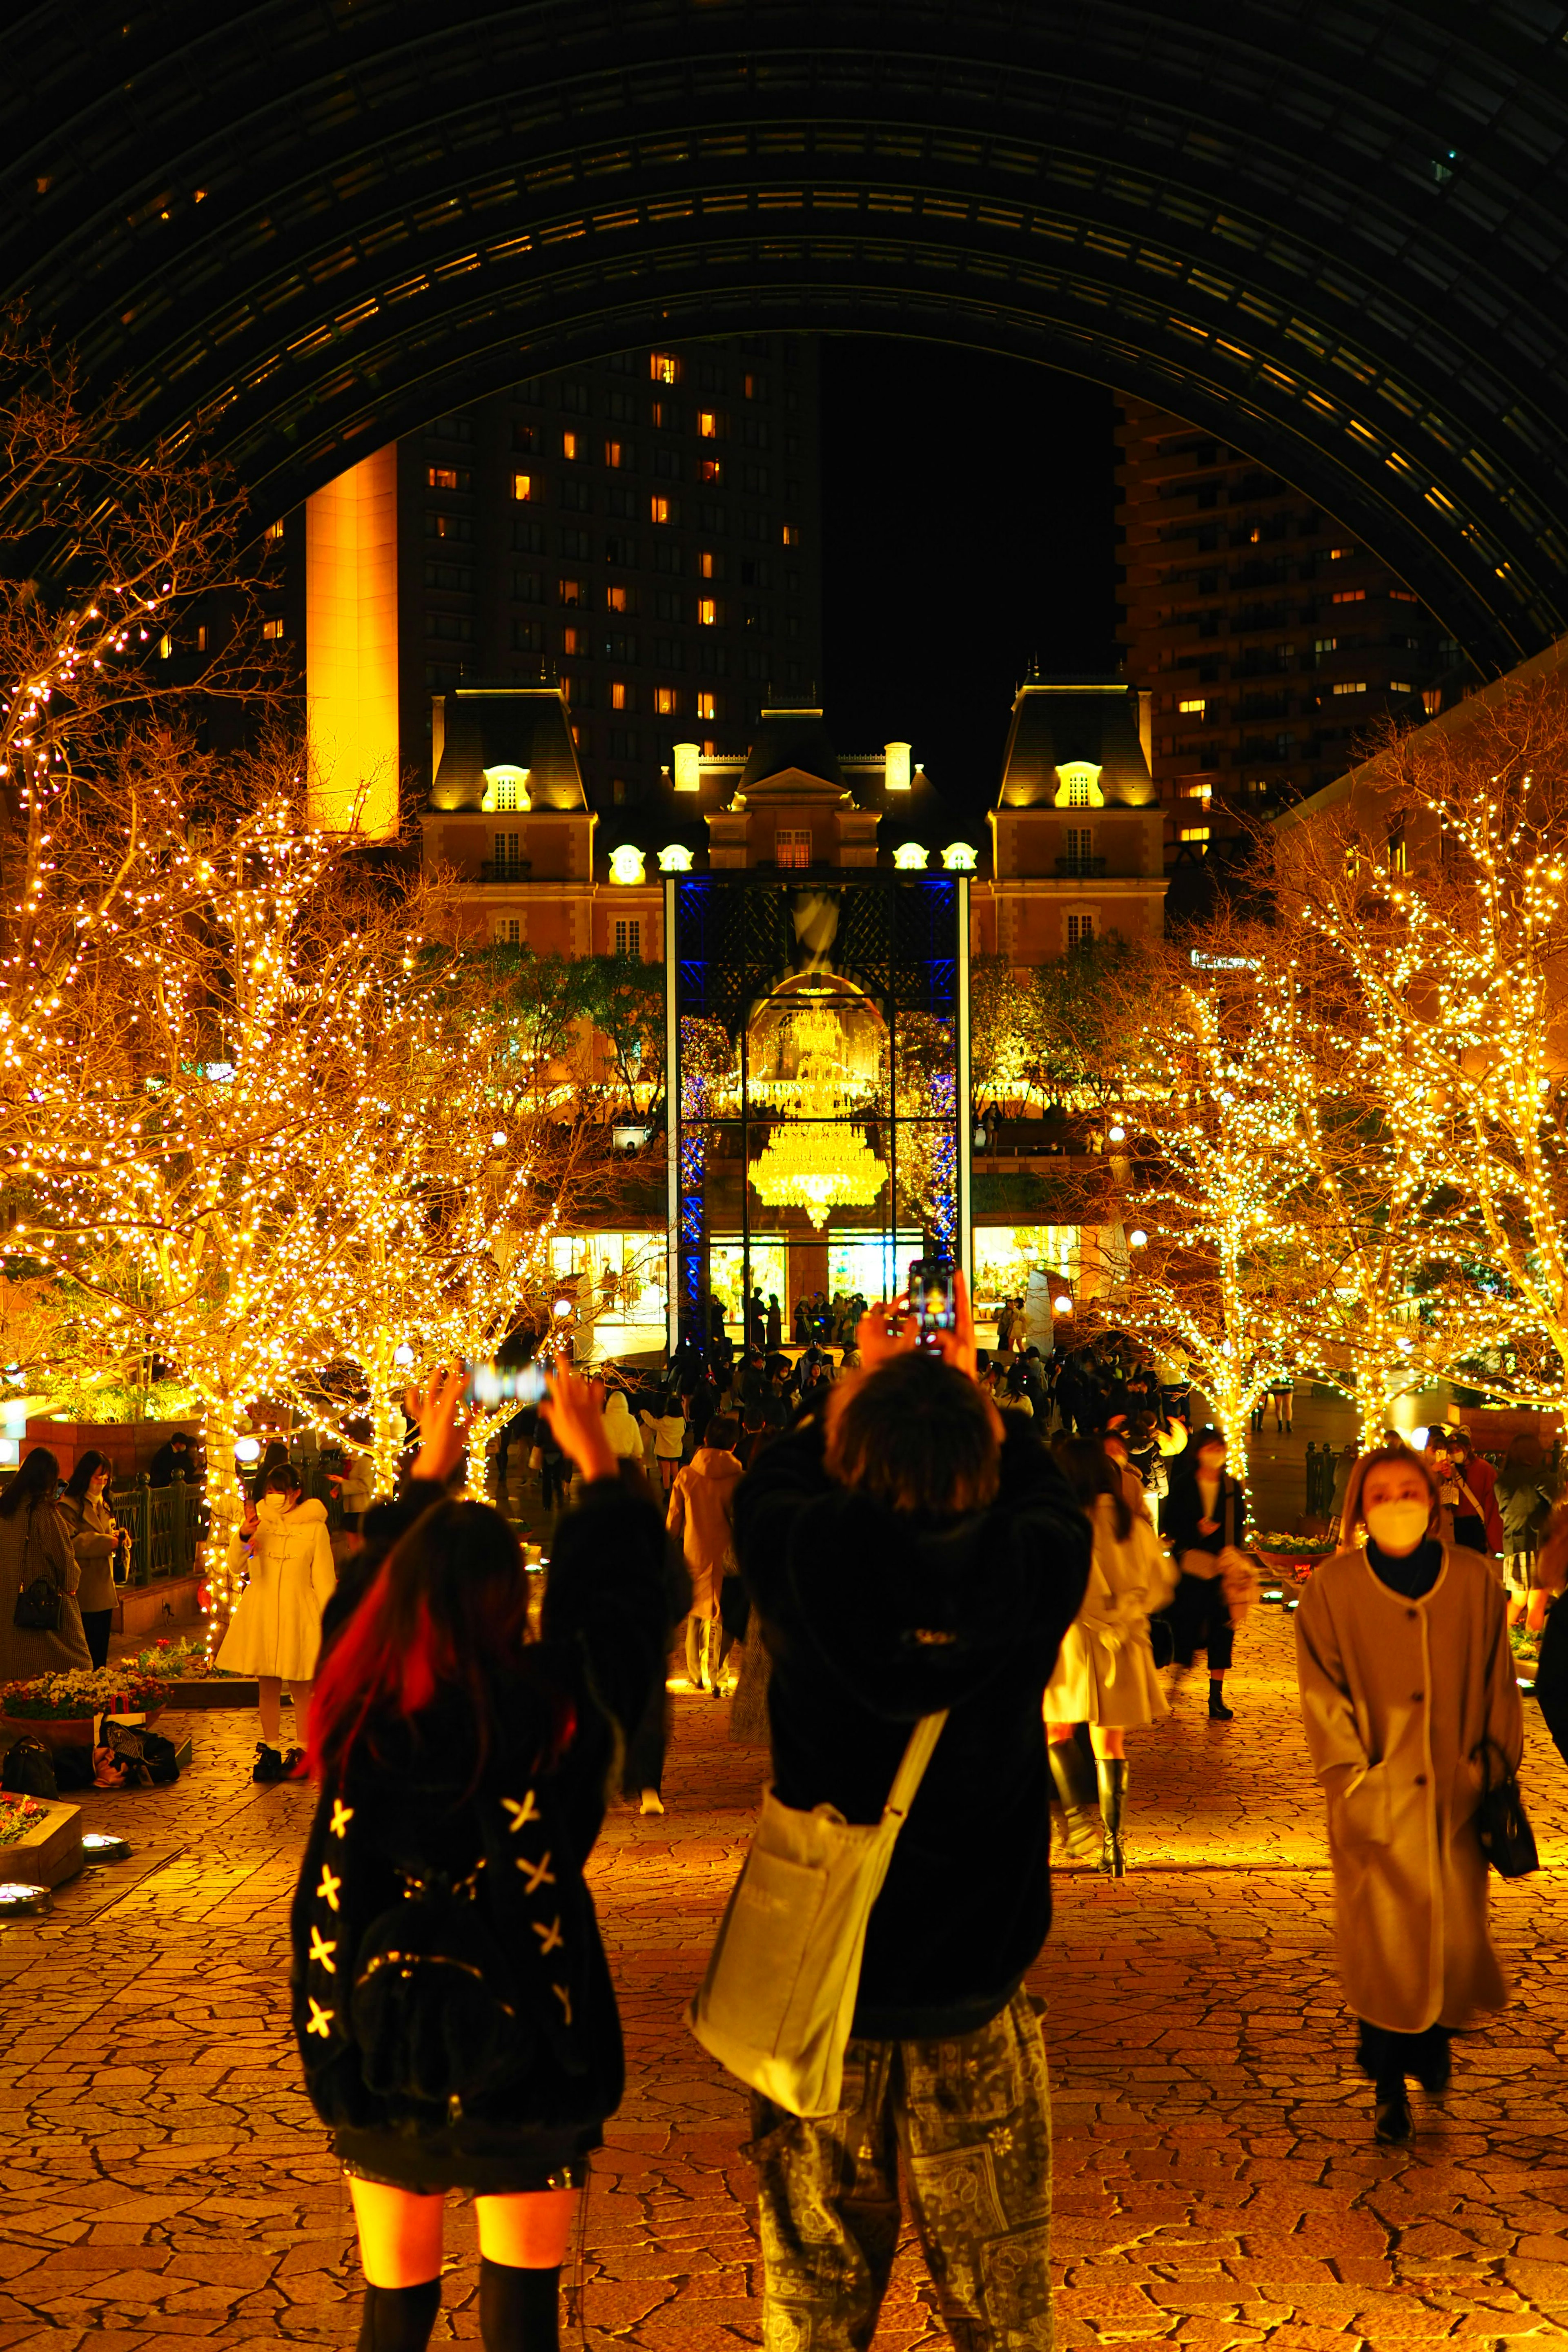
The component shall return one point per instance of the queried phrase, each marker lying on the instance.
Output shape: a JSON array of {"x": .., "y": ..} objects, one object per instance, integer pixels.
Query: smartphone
[
  {"x": 504, "y": 1384},
  {"x": 933, "y": 1297}
]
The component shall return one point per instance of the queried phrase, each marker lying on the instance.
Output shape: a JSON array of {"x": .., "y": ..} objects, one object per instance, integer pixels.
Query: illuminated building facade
[{"x": 817, "y": 914}]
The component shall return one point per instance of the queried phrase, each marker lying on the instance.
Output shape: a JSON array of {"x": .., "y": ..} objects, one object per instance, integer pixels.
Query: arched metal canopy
[{"x": 1334, "y": 231}]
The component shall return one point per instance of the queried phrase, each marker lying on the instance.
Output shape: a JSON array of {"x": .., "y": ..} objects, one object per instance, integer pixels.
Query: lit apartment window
[
  {"x": 792, "y": 846},
  {"x": 617, "y": 694},
  {"x": 629, "y": 937},
  {"x": 750, "y": 388},
  {"x": 165, "y": 648},
  {"x": 572, "y": 592},
  {"x": 201, "y": 636},
  {"x": 1400, "y": 685},
  {"x": 1194, "y": 833},
  {"x": 1338, "y": 554},
  {"x": 707, "y": 612},
  {"x": 791, "y": 534},
  {"x": 565, "y": 685},
  {"x": 1398, "y": 862},
  {"x": 573, "y": 641},
  {"x": 705, "y": 563},
  {"x": 615, "y": 599},
  {"x": 1197, "y": 705},
  {"x": 273, "y": 531},
  {"x": 1080, "y": 928},
  {"x": 272, "y": 630},
  {"x": 1325, "y": 645},
  {"x": 443, "y": 477},
  {"x": 659, "y": 508},
  {"x": 1432, "y": 695},
  {"x": 522, "y": 488},
  {"x": 1403, "y": 596},
  {"x": 571, "y": 448},
  {"x": 660, "y": 414},
  {"x": 664, "y": 367},
  {"x": 611, "y": 453},
  {"x": 1349, "y": 597},
  {"x": 708, "y": 425},
  {"x": 708, "y": 706},
  {"x": 710, "y": 470},
  {"x": 1351, "y": 686},
  {"x": 507, "y": 856},
  {"x": 667, "y": 700}
]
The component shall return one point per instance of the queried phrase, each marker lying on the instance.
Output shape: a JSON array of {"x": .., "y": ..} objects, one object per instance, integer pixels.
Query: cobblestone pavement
[{"x": 163, "y": 2178}]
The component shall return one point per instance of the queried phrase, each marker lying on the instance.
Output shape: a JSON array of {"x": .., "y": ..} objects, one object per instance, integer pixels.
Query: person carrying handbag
[
  {"x": 909, "y": 1561},
  {"x": 41, "y": 1623}
]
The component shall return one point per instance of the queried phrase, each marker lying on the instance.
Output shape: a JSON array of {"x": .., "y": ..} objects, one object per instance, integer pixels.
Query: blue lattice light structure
[{"x": 896, "y": 943}]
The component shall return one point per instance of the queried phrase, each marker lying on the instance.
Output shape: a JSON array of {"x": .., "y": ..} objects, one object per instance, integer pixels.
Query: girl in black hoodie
[{"x": 452, "y": 2004}]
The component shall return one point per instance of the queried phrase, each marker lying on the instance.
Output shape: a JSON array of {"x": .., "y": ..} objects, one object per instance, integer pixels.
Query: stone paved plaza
[{"x": 1217, "y": 2185}]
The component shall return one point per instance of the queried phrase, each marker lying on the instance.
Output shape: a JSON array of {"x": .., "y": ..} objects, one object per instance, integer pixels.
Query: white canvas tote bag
[{"x": 777, "y": 2003}]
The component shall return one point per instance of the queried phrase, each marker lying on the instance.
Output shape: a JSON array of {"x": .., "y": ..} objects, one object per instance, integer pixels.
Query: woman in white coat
[
  {"x": 1409, "y": 1699},
  {"x": 1105, "y": 1673},
  {"x": 274, "y": 1631}
]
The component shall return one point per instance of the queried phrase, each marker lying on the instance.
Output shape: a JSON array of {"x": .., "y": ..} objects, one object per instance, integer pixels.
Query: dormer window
[
  {"x": 506, "y": 791},
  {"x": 1078, "y": 784}
]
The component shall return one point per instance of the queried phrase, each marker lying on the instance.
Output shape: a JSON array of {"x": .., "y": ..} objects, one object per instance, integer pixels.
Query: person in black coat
[
  {"x": 451, "y": 2001},
  {"x": 902, "y": 1555},
  {"x": 1203, "y": 1517}
]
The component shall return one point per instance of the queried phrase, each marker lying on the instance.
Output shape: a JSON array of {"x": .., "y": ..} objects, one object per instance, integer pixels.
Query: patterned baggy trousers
[{"x": 972, "y": 2115}]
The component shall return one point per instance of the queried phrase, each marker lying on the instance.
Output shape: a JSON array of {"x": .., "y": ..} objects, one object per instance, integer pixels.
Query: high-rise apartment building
[
  {"x": 1273, "y": 643},
  {"x": 644, "y": 528}
]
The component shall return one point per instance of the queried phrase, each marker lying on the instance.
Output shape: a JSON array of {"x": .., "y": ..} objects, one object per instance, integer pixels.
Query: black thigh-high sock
[
  {"x": 519, "y": 2310},
  {"x": 399, "y": 2318}
]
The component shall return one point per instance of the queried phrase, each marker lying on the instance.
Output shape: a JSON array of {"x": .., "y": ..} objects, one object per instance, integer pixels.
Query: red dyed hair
[{"x": 448, "y": 1608}]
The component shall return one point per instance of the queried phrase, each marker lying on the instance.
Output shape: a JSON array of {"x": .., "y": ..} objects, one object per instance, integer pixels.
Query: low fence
[{"x": 164, "y": 1524}]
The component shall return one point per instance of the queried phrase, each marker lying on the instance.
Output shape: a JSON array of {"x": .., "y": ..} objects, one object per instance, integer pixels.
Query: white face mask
[{"x": 1397, "y": 1527}]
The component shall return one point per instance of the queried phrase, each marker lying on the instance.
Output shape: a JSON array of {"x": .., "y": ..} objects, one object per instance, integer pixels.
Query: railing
[
  {"x": 1086, "y": 865},
  {"x": 513, "y": 870},
  {"x": 164, "y": 1525}
]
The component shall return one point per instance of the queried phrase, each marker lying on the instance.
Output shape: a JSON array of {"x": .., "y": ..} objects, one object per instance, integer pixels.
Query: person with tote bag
[{"x": 912, "y": 1570}]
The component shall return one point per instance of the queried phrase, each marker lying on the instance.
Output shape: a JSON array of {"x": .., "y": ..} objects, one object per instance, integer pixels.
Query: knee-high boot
[
  {"x": 1069, "y": 1770},
  {"x": 1112, "y": 1771}
]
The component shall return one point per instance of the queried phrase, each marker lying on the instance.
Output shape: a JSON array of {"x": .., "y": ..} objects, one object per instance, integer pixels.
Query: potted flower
[{"x": 61, "y": 1709}]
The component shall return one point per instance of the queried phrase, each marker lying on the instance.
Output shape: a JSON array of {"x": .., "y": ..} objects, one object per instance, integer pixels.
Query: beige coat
[
  {"x": 276, "y": 1628},
  {"x": 1105, "y": 1669},
  {"x": 32, "y": 1544},
  {"x": 95, "y": 1540},
  {"x": 702, "y": 1502},
  {"x": 1397, "y": 1697}
]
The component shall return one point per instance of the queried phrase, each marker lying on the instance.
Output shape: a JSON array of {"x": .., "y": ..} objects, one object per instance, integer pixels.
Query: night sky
[{"x": 967, "y": 527}]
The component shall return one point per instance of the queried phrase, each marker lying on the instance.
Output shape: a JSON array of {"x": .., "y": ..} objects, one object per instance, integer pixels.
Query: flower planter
[
  {"x": 54, "y": 1730},
  {"x": 51, "y": 1850}
]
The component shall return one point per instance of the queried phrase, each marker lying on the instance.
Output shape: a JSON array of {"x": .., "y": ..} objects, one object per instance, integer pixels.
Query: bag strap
[{"x": 912, "y": 1770}]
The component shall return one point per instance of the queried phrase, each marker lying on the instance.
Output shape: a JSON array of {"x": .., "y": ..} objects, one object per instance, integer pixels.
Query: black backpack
[
  {"x": 29, "y": 1769},
  {"x": 134, "y": 1744},
  {"x": 450, "y": 1996}
]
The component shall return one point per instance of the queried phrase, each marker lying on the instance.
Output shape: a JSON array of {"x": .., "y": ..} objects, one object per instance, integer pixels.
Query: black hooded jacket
[{"x": 872, "y": 1619}]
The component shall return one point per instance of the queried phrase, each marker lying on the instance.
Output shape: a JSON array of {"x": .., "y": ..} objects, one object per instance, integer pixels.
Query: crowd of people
[{"x": 1011, "y": 1559}]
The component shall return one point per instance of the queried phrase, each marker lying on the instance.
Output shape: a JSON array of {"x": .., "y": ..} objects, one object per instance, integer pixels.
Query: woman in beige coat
[
  {"x": 1105, "y": 1673},
  {"x": 34, "y": 1543},
  {"x": 1406, "y": 1674},
  {"x": 100, "y": 1544},
  {"x": 702, "y": 1513},
  {"x": 274, "y": 1631}
]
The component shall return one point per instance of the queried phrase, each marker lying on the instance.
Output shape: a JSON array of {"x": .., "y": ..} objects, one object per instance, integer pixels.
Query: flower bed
[
  {"x": 83, "y": 1692},
  {"x": 19, "y": 1817}
]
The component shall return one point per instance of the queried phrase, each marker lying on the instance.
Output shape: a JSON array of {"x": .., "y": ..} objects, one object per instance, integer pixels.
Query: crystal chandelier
[{"x": 811, "y": 1166}]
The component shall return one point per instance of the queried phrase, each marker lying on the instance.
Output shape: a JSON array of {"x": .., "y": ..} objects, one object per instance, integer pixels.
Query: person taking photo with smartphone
[{"x": 905, "y": 1554}]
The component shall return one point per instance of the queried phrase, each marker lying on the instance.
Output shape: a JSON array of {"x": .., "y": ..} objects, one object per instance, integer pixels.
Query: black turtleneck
[{"x": 1414, "y": 1575}]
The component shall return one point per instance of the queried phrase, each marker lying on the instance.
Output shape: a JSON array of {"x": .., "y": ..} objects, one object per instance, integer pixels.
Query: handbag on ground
[{"x": 778, "y": 1999}]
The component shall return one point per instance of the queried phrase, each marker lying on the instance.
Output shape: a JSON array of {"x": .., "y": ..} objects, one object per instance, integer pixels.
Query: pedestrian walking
[
  {"x": 701, "y": 1506},
  {"x": 622, "y": 1434},
  {"x": 452, "y": 2005},
  {"x": 101, "y": 1546},
  {"x": 668, "y": 1438},
  {"x": 1409, "y": 1701},
  {"x": 36, "y": 1548},
  {"x": 1205, "y": 1519},
  {"x": 904, "y": 1556},
  {"x": 1522, "y": 1495},
  {"x": 275, "y": 1632},
  {"x": 1104, "y": 1674}
]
